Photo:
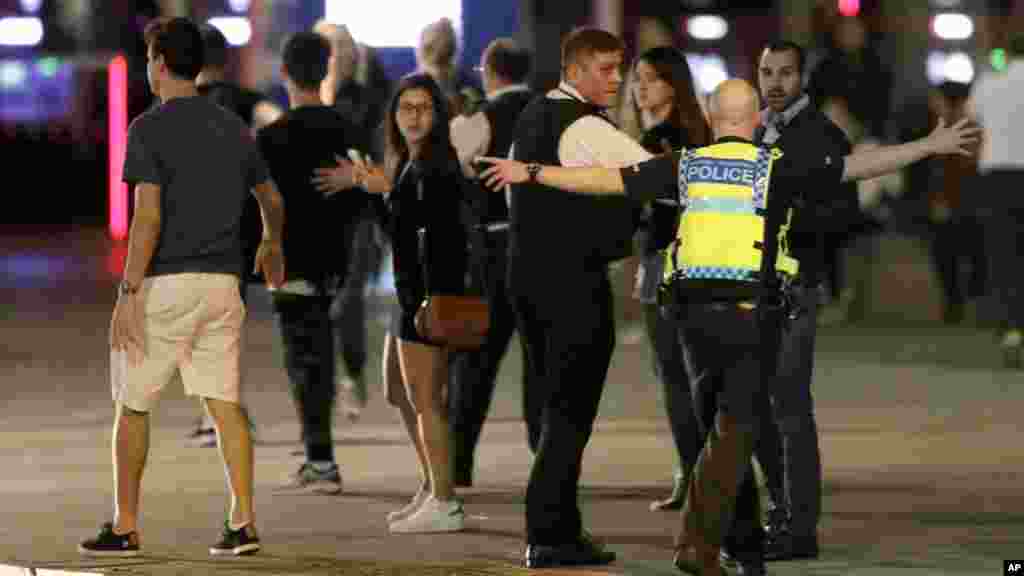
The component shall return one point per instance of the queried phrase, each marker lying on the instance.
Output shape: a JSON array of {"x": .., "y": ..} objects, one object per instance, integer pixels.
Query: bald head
[{"x": 733, "y": 109}]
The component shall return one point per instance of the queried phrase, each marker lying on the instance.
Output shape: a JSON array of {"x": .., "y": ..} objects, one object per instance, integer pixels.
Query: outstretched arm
[
  {"x": 885, "y": 159},
  {"x": 596, "y": 181}
]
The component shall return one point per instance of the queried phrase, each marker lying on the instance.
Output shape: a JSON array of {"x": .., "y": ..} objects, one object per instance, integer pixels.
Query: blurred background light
[
  {"x": 709, "y": 70},
  {"x": 849, "y": 7},
  {"x": 707, "y": 27},
  {"x": 998, "y": 59},
  {"x": 953, "y": 26},
  {"x": 239, "y": 6},
  {"x": 21, "y": 31},
  {"x": 236, "y": 29},
  {"x": 31, "y": 6},
  {"x": 392, "y": 23}
]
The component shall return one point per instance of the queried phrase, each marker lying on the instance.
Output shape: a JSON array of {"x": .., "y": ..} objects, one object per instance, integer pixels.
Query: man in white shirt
[
  {"x": 558, "y": 276},
  {"x": 995, "y": 103}
]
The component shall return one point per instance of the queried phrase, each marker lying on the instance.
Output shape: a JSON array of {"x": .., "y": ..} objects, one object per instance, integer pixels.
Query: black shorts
[{"x": 403, "y": 326}]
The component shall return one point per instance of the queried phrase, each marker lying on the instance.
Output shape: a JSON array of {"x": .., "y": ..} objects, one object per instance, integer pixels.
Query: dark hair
[
  {"x": 788, "y": 46},
  {"x": 508, "y": 60},
  {"x": 437, "y": 152},
  {"x": 179, "y": 42},
  {"x": 670, "y": 65},
  {"x": 215, "y": 46},
  {"x": 585, "y": 41},
  {"x": 305, "y": 57}
]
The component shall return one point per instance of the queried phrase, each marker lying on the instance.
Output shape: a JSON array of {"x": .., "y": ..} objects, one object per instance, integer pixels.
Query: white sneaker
[
  {"x": 413, "y": 505},
  {"x": 432, "y": 517}
]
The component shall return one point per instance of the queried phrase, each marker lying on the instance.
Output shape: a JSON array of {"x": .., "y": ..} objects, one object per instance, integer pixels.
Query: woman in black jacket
[
  {"x": 422, "y": 188},
  {"x": 672, "y": 119}
]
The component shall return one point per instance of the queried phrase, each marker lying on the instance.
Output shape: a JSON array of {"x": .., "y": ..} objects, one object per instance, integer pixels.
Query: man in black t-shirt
[
  {"x": 310, "y": 136},
  {"x": 256, "y": 110},
  {"x": 729, "y": 343}
]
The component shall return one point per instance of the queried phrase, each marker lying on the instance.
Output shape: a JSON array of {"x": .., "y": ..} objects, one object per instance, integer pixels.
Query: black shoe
[
  {"x": 676, "y": 499},
  {"x": 584, "y": 552},
  {"x": 733, "y": 565},
  {"x": 109, "y": 544},
  {"x": 239, "y": 542},
  {"x": 784, "y": 546}
]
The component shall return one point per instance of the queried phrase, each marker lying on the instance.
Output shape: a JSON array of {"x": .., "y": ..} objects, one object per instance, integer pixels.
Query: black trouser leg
[
  {"x": 475, "y": 374},
  {"x": 348, "y": 311},
  {"x": 532, "y": 335},
  {"x": 794, "y": 412},
  {"x": 727, "y": 364},
  {"x": 579, "y": 340},
  {"x": 666, "y": 342},
  {"x": 309, "y": 360},
  {"x": 769, "y": 452}
]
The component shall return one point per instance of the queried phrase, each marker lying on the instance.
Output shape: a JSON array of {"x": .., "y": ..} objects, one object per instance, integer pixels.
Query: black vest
[
  {"x": 555, "y": 232},
  {"x": 502, "y": 114}
]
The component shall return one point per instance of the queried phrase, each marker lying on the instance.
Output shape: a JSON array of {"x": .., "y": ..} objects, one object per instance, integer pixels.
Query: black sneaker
[
  {"x": 107, "y": 543},
  {"x": 236, "y": 542}
]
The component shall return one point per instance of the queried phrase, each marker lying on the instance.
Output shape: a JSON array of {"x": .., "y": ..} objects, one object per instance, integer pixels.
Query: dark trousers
[
  {"x": 787, "y": 447},
  {"x": 727, "y": 362},
  {"x": 309, "y": 360},
  {"x": 1004, "y": 245},
  {"x": 954, "y": 244},
  {"x": 570, "y": 323},
  {"x": 666, "y": 342},
  {"x": 348, "y": 310},
  {"x": 474, "y": 373}
]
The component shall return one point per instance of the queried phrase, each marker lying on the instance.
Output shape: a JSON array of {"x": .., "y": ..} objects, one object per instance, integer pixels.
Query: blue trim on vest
[{"x": 718, "y": 273}]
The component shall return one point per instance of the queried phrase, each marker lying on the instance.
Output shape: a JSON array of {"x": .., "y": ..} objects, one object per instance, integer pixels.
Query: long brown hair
[
  {"x": 670, "y": 65},
  {"x": 437, "y": 151}
]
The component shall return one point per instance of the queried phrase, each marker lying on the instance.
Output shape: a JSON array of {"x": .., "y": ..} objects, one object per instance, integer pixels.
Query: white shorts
[{"x": 193, "y": 325}]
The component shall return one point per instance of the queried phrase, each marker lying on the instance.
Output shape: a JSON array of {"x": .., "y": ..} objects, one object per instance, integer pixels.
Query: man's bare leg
[
  {"x": 130, "y": 449},
  {"x": 236, "y": 449}
]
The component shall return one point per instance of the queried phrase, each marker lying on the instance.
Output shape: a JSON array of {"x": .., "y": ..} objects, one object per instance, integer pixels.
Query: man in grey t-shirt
[{"x": 179, "y": 309}]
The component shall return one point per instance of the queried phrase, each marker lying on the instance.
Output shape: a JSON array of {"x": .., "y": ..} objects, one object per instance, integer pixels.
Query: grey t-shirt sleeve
[
  {"x": 140, "y": 163},
  {"x": 256, "y": 171}
]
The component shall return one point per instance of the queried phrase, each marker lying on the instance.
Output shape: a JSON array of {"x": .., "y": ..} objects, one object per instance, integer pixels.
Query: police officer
[{"x": 727, "y": 274}]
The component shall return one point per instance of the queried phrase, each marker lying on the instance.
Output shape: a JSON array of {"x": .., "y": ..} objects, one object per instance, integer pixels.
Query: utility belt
[{"x": 677, "y": 293}]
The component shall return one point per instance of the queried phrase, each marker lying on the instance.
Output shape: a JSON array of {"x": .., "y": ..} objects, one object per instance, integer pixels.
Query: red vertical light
[
  {"x": 849, "y": 7},
  {"x": 117, "y": 135}
]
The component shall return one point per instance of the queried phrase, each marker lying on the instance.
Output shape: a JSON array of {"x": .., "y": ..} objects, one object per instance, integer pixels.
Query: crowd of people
[{"x": 471, "y": 194}]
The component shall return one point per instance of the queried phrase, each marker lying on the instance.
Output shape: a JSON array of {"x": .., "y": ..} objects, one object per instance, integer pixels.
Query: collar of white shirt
[
  {"x": 507, "y": 90},
  {"x": 566, "y": 91}
]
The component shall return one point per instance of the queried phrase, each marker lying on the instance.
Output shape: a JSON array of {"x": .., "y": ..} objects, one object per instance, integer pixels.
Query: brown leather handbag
[{"x": 457, "y": 321}]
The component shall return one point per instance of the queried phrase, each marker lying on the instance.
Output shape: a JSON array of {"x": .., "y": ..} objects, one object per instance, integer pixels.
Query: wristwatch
[
  {"x": 532, "y": 170},
  {"x": 126, "y": 288}
]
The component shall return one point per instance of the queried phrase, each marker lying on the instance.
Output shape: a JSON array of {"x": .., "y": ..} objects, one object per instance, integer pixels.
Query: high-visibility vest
[{"x": 724, "y": 191}]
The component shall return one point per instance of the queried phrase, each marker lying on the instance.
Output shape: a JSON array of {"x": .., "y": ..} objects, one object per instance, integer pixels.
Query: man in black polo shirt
[
  {"x": 489, "y": 132},
  {"x": 728, "y": 342},
  {"x": 310, "y": 136},
  {"x": 789, "y": 434}
]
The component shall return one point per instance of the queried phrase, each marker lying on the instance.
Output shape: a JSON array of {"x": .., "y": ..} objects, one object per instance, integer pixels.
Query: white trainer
[
  {"x": 432, "y": 517},
  {"x": 413, "y": 505}
]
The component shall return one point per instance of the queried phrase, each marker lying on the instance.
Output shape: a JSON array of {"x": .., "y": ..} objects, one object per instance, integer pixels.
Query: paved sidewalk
[{"x": 921, "y": 440}]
